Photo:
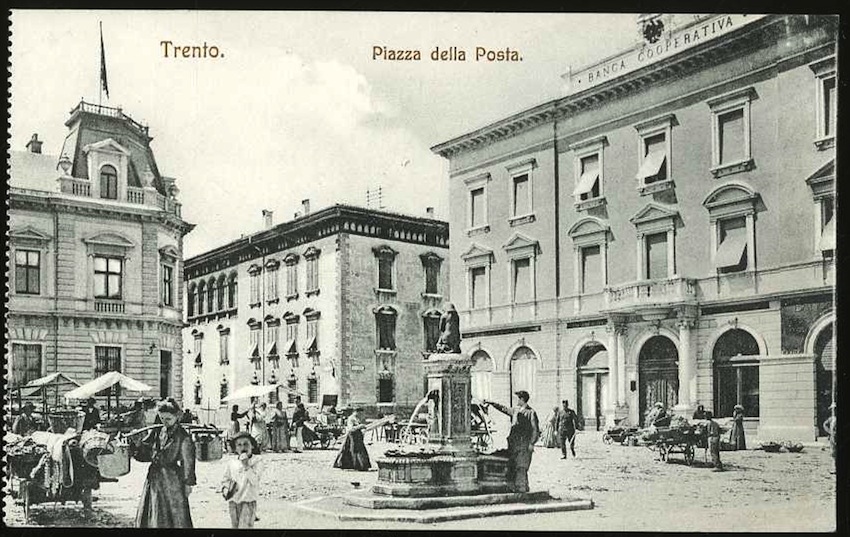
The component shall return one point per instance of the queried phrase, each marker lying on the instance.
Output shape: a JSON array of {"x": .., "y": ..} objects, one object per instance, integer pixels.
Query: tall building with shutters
[
  {"x": 96, "y": 252},
  {"x": 664, "y": 231},
  {"x": 343, "y": 301}
]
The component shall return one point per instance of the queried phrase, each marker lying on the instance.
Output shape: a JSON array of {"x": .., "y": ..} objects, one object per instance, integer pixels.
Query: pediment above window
[
  {"x": 520, "y": 245},
  {"x": 822, "y": 182},
  {"x": 734, "y": 198},
  {"x": 255, "y": 269},
  {"x": 169, "y": 251},
  {"x": 108, "y": 243},
  {"x": 290, "y": 258},
  {"x": 312, "y": 253},
  {"x": 655, "y": 217},
  {"x": 272, "y": 264},
  {"x": 310, "y": 314},
  {"x": 290, "y": 317},
  {"x": 477, "y": 254},
  {"x": 385, "y": 310},
  {"x": 28, "y": 234},
  {"x": 384, "y": 251},
  {"x": 433, "y": 312},
  {"x": 271, "y": 320},
  {"x": 589, "y": 230},
  {"x": 430, "y": 258},
  {"x": 107, "y": 146}
]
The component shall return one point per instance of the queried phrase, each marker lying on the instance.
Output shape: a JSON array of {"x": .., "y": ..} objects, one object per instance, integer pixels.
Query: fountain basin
[{"x": 419, "y": 474}]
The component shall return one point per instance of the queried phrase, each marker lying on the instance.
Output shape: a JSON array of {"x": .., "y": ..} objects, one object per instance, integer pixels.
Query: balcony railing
[
  {"x": 135, "y": 195},
  {"x": 110, "y": 112},
  {"x": 653, "y": 293},
  {"x": 75, "y": 187},
  {"x": 109, "y": 306}
]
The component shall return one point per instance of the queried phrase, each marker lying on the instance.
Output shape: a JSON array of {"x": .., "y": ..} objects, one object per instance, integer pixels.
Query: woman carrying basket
[{"x": 171, "y": 475}]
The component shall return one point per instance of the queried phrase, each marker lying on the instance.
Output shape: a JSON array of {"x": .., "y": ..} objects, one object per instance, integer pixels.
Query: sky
[{"x": 297, "y": 107}]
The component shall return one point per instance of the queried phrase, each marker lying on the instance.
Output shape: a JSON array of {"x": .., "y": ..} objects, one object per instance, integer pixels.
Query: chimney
[
  {"x": 429, "y": 211},
  {"x": 305, "y": 206},
  {"x": 268, "y": 220},
  {"x": 34, "y": 145}
]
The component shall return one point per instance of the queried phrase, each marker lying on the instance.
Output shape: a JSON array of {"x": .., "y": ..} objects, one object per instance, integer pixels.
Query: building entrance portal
[
  {"x": 658, "y": 374},
  {"x": 593, "y": 386},
  {"x": 825, "y": 371}
]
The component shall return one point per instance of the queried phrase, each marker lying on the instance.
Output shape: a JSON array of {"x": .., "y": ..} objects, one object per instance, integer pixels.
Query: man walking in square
[
  {"x": 567, "y": 426},
  {"x": 525, "y": 430}
]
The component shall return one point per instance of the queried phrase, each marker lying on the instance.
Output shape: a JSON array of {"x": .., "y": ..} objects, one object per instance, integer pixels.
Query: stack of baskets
[{"x": 62, "y": 420}]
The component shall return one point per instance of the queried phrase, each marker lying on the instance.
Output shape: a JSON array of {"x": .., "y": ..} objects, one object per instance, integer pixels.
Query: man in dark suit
[
  {"x": 525, "y": 430},
  {"x": 567, "y": 425}
]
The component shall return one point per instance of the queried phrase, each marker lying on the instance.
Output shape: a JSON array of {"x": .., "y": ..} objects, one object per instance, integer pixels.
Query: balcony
[
  {"x": 148, "y": 197},
  {"x": 109, "y": 306},
  {"x": 135, "y": 195},
  {"x": 646, "y": 296},
  {"x": 75, "y": 187}
]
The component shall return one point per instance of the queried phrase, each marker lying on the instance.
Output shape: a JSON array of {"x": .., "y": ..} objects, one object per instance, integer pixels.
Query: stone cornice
[
  {"x": 41, "y": 200},
  {"x": 699, "y": 57},
  {"x": 334, "y": 220}
]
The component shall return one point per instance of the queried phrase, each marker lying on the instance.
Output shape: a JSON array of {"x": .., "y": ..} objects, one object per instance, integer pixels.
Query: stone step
[{"x": 378, "y": 501}]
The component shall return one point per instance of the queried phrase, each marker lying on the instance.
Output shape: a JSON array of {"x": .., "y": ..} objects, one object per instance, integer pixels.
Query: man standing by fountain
[{"x": 525, "y": 430}]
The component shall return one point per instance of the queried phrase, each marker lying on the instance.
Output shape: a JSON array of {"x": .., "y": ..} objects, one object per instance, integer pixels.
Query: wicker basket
[
  {"x": 208, "y": 448},
  {"x": 62, "y": 420},
  {"x": 93, "y": 443},
  {"x": 116, "y": 462}
]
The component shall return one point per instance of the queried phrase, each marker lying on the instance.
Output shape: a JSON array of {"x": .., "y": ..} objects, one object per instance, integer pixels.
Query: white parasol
[
  {"x": 256, "y": 390},
  {"x": 105, "y": 381}
]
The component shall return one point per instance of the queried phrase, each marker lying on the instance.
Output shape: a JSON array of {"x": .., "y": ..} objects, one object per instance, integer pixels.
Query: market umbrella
[
  {"x": 41, "y": 384},
  {"x": 105, "y": 381},
  {"x": 252, "y": 390}
]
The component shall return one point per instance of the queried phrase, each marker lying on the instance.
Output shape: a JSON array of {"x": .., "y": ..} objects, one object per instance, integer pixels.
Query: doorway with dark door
[
  {"x": 825, "y": 376},
  {"x": 658, "y": 373},
  {"x": 165, "y": 374},
  {"x": 593, "y": 385}
]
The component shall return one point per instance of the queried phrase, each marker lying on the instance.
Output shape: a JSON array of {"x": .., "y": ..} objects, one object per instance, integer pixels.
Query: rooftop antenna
[{"x": 375, "y": 198}]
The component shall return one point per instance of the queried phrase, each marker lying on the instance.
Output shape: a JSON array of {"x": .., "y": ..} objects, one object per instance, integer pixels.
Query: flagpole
[{"x": 100, "y": 69}]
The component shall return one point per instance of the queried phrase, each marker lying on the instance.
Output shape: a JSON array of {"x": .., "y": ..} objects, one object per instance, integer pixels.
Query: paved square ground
[{"x": 630, "y": 488}]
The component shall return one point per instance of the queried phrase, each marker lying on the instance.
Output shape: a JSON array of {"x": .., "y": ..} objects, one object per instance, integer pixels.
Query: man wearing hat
[
  {"x": 25, "y": 423},
  {"x": 92, "y": 415},
  {"x": 525, "y": 430},
  {"x": 241, "y": 480}
]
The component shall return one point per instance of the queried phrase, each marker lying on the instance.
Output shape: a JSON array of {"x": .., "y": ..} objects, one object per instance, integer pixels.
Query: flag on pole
[{"x": 103, "y": 84}]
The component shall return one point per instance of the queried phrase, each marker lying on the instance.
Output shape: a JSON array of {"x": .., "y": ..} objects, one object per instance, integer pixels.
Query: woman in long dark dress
[
  {"x": 353, "y": 455},
  {"x": 171, "y": 475},
  {"x": 737, "y": 435}
]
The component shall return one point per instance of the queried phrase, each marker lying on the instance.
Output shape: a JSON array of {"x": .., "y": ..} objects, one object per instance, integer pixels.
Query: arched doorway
[
  {"x": 825, "y": 375},
  {"x": 659, "y": 374},
  {"x": 482, "y": 373},
  {"x": 593, "y": 385},
  {"x": 736, "y": 373},
  {"x": 523, "y": 368}
]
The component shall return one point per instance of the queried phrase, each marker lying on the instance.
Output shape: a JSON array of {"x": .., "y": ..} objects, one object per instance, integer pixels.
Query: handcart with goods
[
  {"x": 683, "y": 439},
  {"x": 322, "y": 434},
  {"x": 47, "y": 467},
  {"x": 620, "y": 432}
]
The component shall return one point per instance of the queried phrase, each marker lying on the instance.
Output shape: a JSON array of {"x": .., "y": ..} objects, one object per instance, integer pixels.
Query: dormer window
[{"x": 108, "y": 183}]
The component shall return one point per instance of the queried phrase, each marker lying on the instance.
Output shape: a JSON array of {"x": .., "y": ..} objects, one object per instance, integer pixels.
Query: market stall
[{"x": 116, "y": 421}]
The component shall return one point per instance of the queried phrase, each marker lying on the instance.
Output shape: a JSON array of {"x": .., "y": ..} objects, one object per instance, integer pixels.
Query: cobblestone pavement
[{"x": 631, "y": 489}]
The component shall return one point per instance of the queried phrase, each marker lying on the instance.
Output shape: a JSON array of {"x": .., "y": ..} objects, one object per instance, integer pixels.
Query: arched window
[
  {"x": 482, "y": 373},
  {"x": 202, "y": 287},
  {"x": 592, "y": 384},
  {"x": 431, "y": 328},
  {"x": 108, "y": 183},
  {"x": 523, "y": 367},
  {"x": 231, "y": 292},
  {"x": 222, "y": 283},
  {"x": 190, "y": 303},
  {"x": 211, "y": 295},
  {"x": 736, "y": 373}
]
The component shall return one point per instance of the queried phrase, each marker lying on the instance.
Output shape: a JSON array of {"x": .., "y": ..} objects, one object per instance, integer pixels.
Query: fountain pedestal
[{"x": 448, "y": 465}]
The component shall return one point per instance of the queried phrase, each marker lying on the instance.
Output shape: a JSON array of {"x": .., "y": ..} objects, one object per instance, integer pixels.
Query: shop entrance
[{"x": 658, "y": 373}]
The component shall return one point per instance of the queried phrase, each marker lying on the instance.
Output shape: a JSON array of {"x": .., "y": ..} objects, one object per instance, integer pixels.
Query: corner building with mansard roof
[
  {"x": 96, "y": 248},
  {"x": 342, "y": 302},
  {"x": 663, "y": 231}
]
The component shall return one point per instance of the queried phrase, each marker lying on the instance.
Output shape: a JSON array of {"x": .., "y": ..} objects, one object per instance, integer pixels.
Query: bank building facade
[
  {"x": 95, "y": 257},
  {"x": 663, "y": 231}
]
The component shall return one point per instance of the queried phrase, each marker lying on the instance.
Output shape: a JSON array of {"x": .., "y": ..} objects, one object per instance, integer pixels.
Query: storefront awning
[
  {"x": 827, "y": 238},
  {"x": 731, "y": 250},
  {"x": 586, "y": 182},
  {"x": 652, "y": 164}
]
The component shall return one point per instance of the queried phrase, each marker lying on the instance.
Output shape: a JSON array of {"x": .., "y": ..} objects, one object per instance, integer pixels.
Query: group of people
[{"x": 271, "y": 428}]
